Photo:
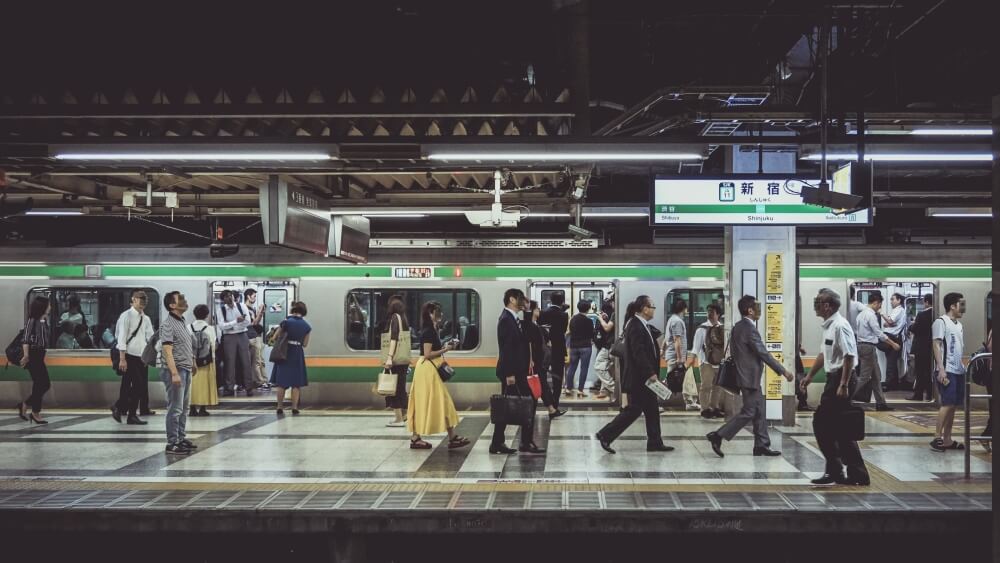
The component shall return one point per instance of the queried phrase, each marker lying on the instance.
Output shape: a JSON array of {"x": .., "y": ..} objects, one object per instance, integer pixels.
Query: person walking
[
  {"x": 922, "y": 355},
  {"x": 870, "y": 334},
  {"x": 949, "y": 347},
  {"x": 557, "y": 321},
  {"x": 233, "y": 320},
  {"x": 255, "y": 337},
  {"x": 605, "y": 338},
  {"x": 581, "y": 338},
  {"x": 709, "y": 349},
  {"x": 431, "y": 409},
  {"x": 176, "y": 367},
  {"x": 749, "y": 354},
  {"x": 537, "y": 342},
  {"x": 893, "y": 324},
  {"x": 290, "y": 373},
  {"x": 133, "y": 329},
  {"x": 641, "y": 365},
  {"x": 512, "y": 370},
  {"x": 204, "y": 383},
  {"x": 674, "y": 351},
  {"x": 36, "y": 341},
  {"x": 838, "y": 350},
  {"x": 398, "y": 329}
]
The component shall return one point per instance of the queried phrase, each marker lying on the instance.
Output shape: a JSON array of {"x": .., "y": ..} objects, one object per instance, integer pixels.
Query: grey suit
[{"x": 748, "y": 352}]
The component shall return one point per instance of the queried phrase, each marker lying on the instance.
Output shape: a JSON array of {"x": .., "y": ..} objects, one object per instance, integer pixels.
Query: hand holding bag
[
  {"x": 279, "y": 352},
  {"x": 726, "y": 376},
  {"x": 386, "y": 383},
  {"x": 512, "y": 410}
]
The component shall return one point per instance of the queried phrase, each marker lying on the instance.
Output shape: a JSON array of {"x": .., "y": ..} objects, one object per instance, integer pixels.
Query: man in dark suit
[
  {"x": 748, "y": 352},
  {"x": 921, "y": 346},
  {"x": 642, "y": 364},
  {"x": 512, "y": 370},
  {"x": 557, "y": 320}
]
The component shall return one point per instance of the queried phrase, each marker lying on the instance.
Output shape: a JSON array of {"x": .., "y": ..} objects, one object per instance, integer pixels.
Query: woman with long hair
[
  {"x": 536, "y": 337},
  {"x": 431, "y": 410},
  {"x": 36, "y": 341},
  {"x": 399, "y": 331}
]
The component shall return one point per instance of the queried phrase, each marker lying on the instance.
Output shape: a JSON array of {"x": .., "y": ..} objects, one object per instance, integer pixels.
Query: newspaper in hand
[{"x": 659, "y": 389}]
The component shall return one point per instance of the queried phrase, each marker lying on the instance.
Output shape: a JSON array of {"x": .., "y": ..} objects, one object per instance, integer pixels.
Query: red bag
[{"x": 536, "y": 386}]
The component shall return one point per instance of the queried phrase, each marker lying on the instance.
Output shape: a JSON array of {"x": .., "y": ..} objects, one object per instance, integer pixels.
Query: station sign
[
  {"x": 743, "y": 200},
  {"x": 350, "y": 237},
  {"x": 412, "y": 273},
  {"x": 293, "y": 217}
]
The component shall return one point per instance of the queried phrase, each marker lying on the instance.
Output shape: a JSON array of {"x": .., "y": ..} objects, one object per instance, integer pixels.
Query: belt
[
  {"x": 294, "y": 343},
  {"x": 867, "y": 343}
]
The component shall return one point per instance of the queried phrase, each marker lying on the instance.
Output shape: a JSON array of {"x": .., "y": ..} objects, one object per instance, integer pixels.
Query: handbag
[
  {"x": 279, "y": 352},
  {"x": 512, "y": 410},
  {"x": 445, "y": 371},
  {"x": 386, "y": 383},
  {"x": 726, "y": 376},
  {"x": 535, "y": 384},
  {"x": 402, "y": 355},
  {"x": 15, "y": 350},
  {"x": 675, "y": 379},
  {"x": 618, "y": 349}
]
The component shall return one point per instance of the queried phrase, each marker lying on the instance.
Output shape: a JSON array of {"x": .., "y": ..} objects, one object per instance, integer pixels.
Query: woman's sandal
[
  {"x": 458, "y": 442},
  {"x": 419, "y": 445}
]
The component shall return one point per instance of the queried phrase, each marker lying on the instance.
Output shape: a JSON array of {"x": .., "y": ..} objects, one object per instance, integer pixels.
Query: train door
[
  {"x": 913, "y": 293},
  {"x": 276, "y": 298},
  {"x": 594, "y": 292}
]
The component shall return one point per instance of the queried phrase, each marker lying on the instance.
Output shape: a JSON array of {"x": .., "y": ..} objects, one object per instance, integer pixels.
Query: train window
[
  {"x": 85, "y": 317},
  {"x": 366, "y": 311},
  {"x": 697, "y": 301}
]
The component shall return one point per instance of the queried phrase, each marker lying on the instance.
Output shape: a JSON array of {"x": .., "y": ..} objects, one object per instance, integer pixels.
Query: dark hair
[
  {"x": 583, "y": 306},
  {"x": 714, "y": 307},
  {"x": 299, "y": 308},
  {"x": 427, "y": 314},
  {"x": 875, "y": 297},
  {"x": 201, "y": 312},
  {"x": 746, "y": 304},
  {"x": 899, "y": 297},
  {"x": 678, "y": 306},
  {"x": 169, "y": 299},
  {"x": 532, "y": 306},
  {"x": 951, "y": 299},
  {"x": 929, "y": 298},
  {"x": 79, "y": 329},
  {"x": 396, "y": 306},
  {"x": 512, "y": 293},
  {"x": 558, "y": 298},
  {"x": 38, "y": 306},
  {"x": 637, "y": 305},
  {"x": 73, "y": 301},
  {"x": 249, "y": 291},
  {"x": 224, "y": 293},
  {"x": 136, "y": 292}
]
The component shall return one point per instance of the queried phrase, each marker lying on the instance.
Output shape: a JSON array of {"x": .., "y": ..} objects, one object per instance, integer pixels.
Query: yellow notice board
[
  {"x": 774, "y": 322},
  {"x": 775, "y": 272},
  {"x": 772, "y": 380}
]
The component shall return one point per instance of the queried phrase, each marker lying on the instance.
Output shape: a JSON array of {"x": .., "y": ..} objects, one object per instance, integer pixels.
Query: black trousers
[
  {"x": 40, "y": 382},
  {"x": 837, "y": 451},
  {"x": 528, "y": 431},
  {"x": 641, "y": 402},
  {"x": 558, "y": 373},
  {"x": 892, "y": 374},
  {"x": 135, "y": 385},
  {"x": 922, "y": 375},
  {"x": 400, "y": 400}
]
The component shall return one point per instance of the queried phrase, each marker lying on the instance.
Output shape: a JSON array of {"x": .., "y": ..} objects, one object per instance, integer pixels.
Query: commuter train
[{"x": 346, "y": 302}]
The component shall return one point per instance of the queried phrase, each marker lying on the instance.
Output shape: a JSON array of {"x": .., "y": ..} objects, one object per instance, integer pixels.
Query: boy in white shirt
[{"x": 948, "y": 347}]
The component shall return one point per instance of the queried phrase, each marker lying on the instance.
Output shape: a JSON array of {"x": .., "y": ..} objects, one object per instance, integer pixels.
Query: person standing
[
  {"x": 581, "y": 338},
  {"x": 674, "y": 345},
  {"x": 641, "y": 365},
  {"x": 838, "y": 352},
  {"x": 605, "y": 338},
  {"x": 893, "y": 325},
  {"x": 233, "y": 320},
  {"x": 512, "y": 370},
  {"x": 290, "y": 373},
  {"x": 709, "y": 349},
  {"x": 255, "y": 336},
  {"x": 869, "y": 335},
  {"x": 34, "y": 345},
  {"x": 949, "y": 347},
  {"x": 399, "y": 331},
  {"x": 921, "y": 346},
  {"x": 748, "y": 352},
  {"x": 537, "y": 338},
  {"x": 204, "y": 384},
  {"x": 431, "y": 409},
  {"x": 557, "y": 321},
  {"x": 134, "y": 329},
  {"x": 176, "y": 368}
]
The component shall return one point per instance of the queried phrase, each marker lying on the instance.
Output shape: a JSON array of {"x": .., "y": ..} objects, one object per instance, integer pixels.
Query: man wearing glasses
[{"x": 132, "y": 332}]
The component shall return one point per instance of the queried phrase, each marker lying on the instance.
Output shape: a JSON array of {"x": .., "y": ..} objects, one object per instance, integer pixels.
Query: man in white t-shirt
[{"x": 948, "y": 347}]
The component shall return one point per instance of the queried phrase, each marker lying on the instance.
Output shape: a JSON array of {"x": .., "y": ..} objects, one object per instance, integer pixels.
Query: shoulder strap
[
  {"x": 136, "y": 331},
  {"x": 240, "y": 308}
]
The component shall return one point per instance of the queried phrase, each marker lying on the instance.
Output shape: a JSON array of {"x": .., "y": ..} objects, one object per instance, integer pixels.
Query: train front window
[
  {"x": 367, "y": 310},
  {"x": 84, "y": 318}
]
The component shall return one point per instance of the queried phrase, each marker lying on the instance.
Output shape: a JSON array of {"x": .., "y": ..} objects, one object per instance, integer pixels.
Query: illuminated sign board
[
  {"x": 293, "y": 218},
  {"x": 741, "y": 200},
  {"x": 350, "y": 238},
  {"x": 408, "y": 273}
]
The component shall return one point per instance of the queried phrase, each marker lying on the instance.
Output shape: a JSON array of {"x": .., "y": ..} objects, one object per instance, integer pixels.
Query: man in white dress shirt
[
  {"x": 893, "y": 325},
  {"x": 870, "y": 334},
  {"x": 256, "y": 336},
  {"x": 133, "y": 330},
  {"x": 232, "y": 319}
]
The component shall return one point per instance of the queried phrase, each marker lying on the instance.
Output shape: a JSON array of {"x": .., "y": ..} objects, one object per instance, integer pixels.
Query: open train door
[{"x": 596, "y": 292}]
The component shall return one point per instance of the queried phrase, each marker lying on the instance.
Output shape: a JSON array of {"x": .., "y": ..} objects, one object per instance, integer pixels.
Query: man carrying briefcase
[{"x": 512, "y": 371}]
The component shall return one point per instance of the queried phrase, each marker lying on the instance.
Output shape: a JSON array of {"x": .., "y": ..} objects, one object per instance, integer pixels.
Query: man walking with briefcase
[{"x": 512, "y": 371}]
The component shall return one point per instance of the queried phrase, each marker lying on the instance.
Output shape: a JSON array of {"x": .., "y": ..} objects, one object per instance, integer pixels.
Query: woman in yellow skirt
[
  {"x": 430, "y": 409},
  {"x": 204, "y": 390}
]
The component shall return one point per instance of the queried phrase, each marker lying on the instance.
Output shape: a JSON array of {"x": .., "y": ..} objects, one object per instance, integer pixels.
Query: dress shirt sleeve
[
  {"x": 847, "y": 343},
  {"x": 120, "y": 331},
  {"x": 222, "y": 323},
  {"x": 697, "y": 348}
]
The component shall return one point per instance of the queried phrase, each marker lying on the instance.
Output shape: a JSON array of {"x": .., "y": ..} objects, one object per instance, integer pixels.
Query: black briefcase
[
  {"x": 851, "y": 423},
  {"x": 726, "y": 376},
  {"x": 512, "y": 410}
]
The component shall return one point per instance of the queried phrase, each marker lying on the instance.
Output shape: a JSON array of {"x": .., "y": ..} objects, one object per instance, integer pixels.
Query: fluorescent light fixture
[
  {"x": 561, "y": 156},
  {"x": 234, "y": 212},
  {"x": 960, "y": 212},
  {"x": 979, "y": 131},
  {"x": 53, "y": 212},
  {"x": 398, "y": 216},
  {"x": 616, "y": 214},
  {"x": 906, "y": 157},
  {"x": 544, "y": 215},
  {"x": 398, "y": 212},
  {"x": 197, "y": 156}
]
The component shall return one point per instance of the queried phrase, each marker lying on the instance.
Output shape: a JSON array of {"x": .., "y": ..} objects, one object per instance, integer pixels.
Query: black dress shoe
[
  {"x": 556, "y": 414},
  {"x": 228, "y": 393},
  {"x": 147, "y": 413},
  {"x": 531, "y": 449},
  {"x": 717, "y": 413},
  {"x": 502, "y": 450},
  {"x": 605, "y": 445},
  {"x": 883, "y": 407},
  {"x": 716, "y": 441},
  {"x": 804, "y": 408},
  {"x": 708, "y": 413},
  {"x": 660, "y": 448},
  {"x": 135, "y": 420},
  {"x": 766, "y": 452},
  {"x": 827, "y": 479},
  {"x": 116, "y": 414},
  {"x": 193, "y": 412}
]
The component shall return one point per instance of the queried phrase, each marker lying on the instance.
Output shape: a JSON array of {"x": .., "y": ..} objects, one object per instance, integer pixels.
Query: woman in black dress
[
  {"x": 399, "y": 335},
  {"x": 537, "y": 341}
]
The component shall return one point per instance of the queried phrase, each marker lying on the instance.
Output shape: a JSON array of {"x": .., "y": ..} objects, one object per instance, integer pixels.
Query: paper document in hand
[{"x": 659, "y": 389}]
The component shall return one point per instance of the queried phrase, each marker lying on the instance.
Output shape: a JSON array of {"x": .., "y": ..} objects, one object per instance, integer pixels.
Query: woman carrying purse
[
  {"x": 398, "y": 330},
  {"x": 36, "y": 341}
]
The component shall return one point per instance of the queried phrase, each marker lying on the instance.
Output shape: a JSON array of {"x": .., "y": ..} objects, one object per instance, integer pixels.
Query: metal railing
[{"x": 984, "y": 358}]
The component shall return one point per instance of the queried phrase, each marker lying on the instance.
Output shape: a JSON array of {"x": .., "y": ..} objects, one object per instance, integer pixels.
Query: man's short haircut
[
  {"x": 558, "y": 298},
  {"x": 951, "y": 299},
  {"x": 875, "y": 297},
  {"x": 830, "y": 296},
  {"x": 714, "y": 307},
  {"x": 201, "y": 312},
  {"x": 928, "y": 299},
  {"x": 583, "y": 306},
  {"x": 512, "y": 293},
  {"x": 249, "y": 291},
  {"x": 746, "y": 304},
  {"x": 169, "y": 299},
  {"x": 899, "y": 297},
  {"x": 678, "y": 306}
]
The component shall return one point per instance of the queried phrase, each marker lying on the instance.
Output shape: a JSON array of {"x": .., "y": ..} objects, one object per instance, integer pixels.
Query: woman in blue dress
[{"x": 291, "y": 373}]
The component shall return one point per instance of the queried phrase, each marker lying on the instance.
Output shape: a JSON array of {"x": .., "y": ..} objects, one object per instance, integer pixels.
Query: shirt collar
[
  {"x": 826, "y": 324},
  {"x": 174, "y": 315},
  {"x": 644, "y": 321},
  {"x": 512, "y": 312}
]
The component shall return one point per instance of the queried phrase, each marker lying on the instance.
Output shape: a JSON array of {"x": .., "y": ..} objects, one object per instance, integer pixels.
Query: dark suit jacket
[
  {"x": 642, "y": 357},
  {"x": 513, "y": 348},
  {"x": 558, "y": 322},
  {"x": 748, "y": 352},
  {"x": 921, "y": 329}
]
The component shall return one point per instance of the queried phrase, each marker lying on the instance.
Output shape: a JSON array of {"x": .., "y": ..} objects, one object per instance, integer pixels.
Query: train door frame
[{"x": 613, "y": 286}]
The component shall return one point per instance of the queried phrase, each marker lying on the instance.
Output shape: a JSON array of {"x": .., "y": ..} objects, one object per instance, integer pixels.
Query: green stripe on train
[{"x": 905, "y": 272}]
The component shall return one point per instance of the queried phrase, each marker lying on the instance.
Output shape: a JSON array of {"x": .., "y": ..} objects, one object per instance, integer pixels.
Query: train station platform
[{"x": 345, "y": 477}]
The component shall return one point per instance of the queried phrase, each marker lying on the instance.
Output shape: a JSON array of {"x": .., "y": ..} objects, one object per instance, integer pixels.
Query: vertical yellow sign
[
  {"x": 774, "y": 282},
  {"x": 774, "y": 322},
  {"x": 772, "y": 380}
]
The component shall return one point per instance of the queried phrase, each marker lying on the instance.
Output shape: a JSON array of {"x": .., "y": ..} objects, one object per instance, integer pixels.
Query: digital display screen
[
  {"x": 412, "y": 273},
  {"x": 351, "y": 236}
]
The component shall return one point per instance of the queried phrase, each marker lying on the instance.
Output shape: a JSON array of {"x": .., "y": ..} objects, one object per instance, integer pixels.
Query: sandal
[
  {"x": 987, "y": 446},
  {"x": 955, "y": 446},
  {"x": 580, "y": 395},
  {"x": 457, "y": 442},
  {"x": 419, "y": 445}
]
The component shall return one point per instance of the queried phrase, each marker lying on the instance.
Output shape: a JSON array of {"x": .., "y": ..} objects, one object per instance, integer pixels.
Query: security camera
[{"x": 579, "y": 233}]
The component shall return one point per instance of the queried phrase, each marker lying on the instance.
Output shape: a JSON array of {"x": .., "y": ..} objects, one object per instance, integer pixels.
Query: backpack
[
  {"x": 203, "y": 347},
  {"x": 116, "y": 355},
  {"x": 150, "y": 353},
  {"x": 715, "y": 344},
  {"x": 15, "y": 350}
]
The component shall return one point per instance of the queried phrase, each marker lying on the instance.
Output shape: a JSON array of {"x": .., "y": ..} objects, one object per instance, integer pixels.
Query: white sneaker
[
  {"x": 396, "y": 424},
  {"x": 693, "y": 407}
]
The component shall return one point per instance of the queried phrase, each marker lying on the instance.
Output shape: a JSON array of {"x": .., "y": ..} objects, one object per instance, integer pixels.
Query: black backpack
[
  {"x": 201, "y": 341},
  {"x": 15, "y": 350}
]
